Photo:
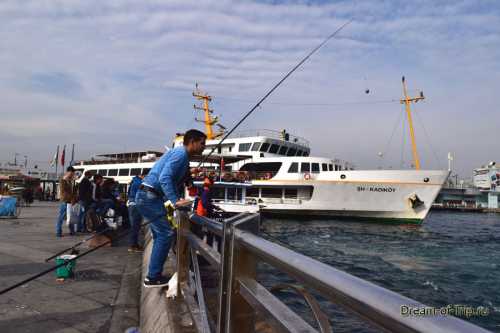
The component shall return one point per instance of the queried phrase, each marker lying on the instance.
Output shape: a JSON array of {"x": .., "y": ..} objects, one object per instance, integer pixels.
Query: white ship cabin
[
  {"x": 119, "y": 166},
  {"x": 273, "y": 179},
  {"x": 256, "y": 143}
]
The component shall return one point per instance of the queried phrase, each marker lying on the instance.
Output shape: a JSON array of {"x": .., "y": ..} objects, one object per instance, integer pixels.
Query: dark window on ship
[
  {"x": 336, "y": 167},
  {"x": 93, "y": 172},
  {"x": 124, "y": 172},
  {"x": 330, "y": 167},
  {"x": 256, "y": 146},
  {"x": 291, "y": 152},
  {"x": 113, "y": 172},
  {"x": 262, "y": 167},
  {"x": 291, "y": 193},
  {"x": 294, "y": 168},
  {"x": 305, "y": 167},
  {"x": 324, "y": 167},
  {"x": 306, "y": 153},
  {"x": 219, "y": 149},
  {"x": 315, "y": 167},
  {"x": 102, "y": 172},
  {"x": 253, "y": 192},
  {"x": 217, "y": 192},
  {"x": 146, "y": 170},
  {"x": 299, "y": 152},
  {"x": 264, "y": 147},
  {"x": 274, "y": 149},
  {"x": 135, "y": 172},
  {"x": 271, "y": 192},
  {"x": 231, "y": 193},
  {"x": 283, "y": 150}
]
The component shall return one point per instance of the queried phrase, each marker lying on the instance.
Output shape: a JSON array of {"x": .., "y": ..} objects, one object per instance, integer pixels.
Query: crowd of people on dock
[{"x": 150, "y": 197}]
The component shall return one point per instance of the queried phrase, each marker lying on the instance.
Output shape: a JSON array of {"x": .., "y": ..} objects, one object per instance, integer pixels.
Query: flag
[
  {"x": 55, "y": 158},
  {"x": 63, "y": 155},
  {"x": 72, "y": 161}
]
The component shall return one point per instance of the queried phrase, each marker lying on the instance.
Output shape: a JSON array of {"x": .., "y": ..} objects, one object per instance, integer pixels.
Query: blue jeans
[
  {"x": 135, "y": 224},
  {"x": 151, "y": 208},
  {"x": 61, "y": 218}
]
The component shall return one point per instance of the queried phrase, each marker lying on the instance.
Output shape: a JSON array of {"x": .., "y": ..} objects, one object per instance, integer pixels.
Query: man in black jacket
[{"x": 85, "y": 197}]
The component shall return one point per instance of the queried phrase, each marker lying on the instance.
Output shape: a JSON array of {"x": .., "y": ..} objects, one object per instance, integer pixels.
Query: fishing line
[
  {"x": 393, "y": 132},
  {"x": 272, "y": 90}
]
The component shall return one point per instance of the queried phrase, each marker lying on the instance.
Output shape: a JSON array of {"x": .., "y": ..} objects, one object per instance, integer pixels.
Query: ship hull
[{"x": 403, "y": 196}]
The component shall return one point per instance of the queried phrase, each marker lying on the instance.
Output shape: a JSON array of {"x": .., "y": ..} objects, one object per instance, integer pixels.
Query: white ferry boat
[{"x": 273, "y": 172}]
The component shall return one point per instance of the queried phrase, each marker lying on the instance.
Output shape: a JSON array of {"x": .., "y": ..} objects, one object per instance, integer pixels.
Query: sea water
[{"x": 452, "y": 259}]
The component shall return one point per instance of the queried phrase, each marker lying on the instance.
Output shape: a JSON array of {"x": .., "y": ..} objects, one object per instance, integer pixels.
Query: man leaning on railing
[{"x": 159, "y": 190}]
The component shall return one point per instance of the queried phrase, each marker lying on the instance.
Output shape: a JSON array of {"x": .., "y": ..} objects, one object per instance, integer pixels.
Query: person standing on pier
[
  {"x": 66, "y": 187},
  {"x": 135, "y": 217},
  {"x": 85, "y": 196},
  {"x": 160, "y": 189}
]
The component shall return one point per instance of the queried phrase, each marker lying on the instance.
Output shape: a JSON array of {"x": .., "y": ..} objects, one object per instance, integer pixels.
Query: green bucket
[{"x": 67, "y": 270}]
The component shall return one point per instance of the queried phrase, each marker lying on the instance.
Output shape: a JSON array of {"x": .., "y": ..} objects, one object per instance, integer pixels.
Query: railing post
[
  {"x": 234, "y": 311},
  {"x": 182, "y": 251}
]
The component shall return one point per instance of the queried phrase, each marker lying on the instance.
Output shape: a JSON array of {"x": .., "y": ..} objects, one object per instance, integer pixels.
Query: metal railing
[{"x": 241, "y": 297}]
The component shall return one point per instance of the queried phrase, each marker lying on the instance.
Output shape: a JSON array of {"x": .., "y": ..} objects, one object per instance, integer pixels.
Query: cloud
[{"x": 102, "y": 73}]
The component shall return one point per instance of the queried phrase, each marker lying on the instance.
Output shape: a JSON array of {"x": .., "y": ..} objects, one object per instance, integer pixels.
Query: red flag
[{"x": 62, "y": 155}]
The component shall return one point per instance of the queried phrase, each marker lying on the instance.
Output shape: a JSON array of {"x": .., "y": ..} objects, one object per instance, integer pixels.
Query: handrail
[{"x": 241, "y": 296}]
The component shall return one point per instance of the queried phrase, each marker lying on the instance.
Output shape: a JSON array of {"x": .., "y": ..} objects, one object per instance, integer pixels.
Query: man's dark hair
[
  {"x": 97, "y": 176},
  {"x": 193, "y": 135},
  {"x": 88, "y": 173},
  {"x": 70, "y": 169},
  {"x": 144, "y": 173}
]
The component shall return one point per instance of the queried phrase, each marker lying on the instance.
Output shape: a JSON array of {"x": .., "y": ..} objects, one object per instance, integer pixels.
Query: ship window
[
  {"x": 291, "y": 152},
  {"x": 253, "y": 192},
  {"x": 135, "y": 172},
  {"x": 315, "y": 167},
  {"x": 264, "y": 147},
  {"x": 299, "y": 152},
  {"x": 217, "y": 192},
  {"x": 291, "y": 193},
  {"x": 102, "y": 172},
  {"x": 324, "y": 167},
  {"x": 274, "y": 149},
  {"x": 93, "y": 172},
  {"x": 330, "y": 167},
  {"x": 124, "y": 172},
  {"x": 283, "y": 150},
  {"x": 294, "y": 168},
  {"x": 336, "y": 167},
  {"x": 113, "y": 172},
  {"x": 219, "y": 149},
  {"x": 256, "y": 146},
  {"x": 305, "y": 167},
  {"x": 262, "y": 167},
  {"x": 272, "y": 192},
  {"x": 146, "y": 170},
  {"x": 306, "y": 153}
]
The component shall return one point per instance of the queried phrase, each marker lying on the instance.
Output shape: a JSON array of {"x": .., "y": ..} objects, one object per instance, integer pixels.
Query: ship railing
[
  {"x": 271, "y": 134},
  {"x": 241, "y": 299},
  {"x": 235, "y": 176}
]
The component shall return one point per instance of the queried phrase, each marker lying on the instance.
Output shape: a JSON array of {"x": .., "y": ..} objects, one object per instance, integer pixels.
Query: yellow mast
[
  {"x": 407, "y": 101},
  {"x": 209, "y": 121}
]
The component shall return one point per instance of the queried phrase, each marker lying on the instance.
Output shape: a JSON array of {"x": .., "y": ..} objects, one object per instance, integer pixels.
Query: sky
[{"x": 118, "y": 75}]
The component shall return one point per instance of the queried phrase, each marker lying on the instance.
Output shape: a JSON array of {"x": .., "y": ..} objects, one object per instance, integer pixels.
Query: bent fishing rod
[{"x": 326, "y": 40}]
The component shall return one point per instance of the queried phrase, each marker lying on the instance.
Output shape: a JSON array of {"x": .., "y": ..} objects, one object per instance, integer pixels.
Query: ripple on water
[{"x": 452, "y": 259}]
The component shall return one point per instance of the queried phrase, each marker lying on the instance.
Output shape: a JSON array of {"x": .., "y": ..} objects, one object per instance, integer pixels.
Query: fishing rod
[
  {"x": 274, "y": 88},
  {"x": 79, "y": 243},
  {"x": 48, "y": 270}
]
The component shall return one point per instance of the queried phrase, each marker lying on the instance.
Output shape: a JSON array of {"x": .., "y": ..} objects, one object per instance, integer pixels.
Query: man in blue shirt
[
  {"x": 135, "y": 217},
  {"x": 158, "y": 188}
]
